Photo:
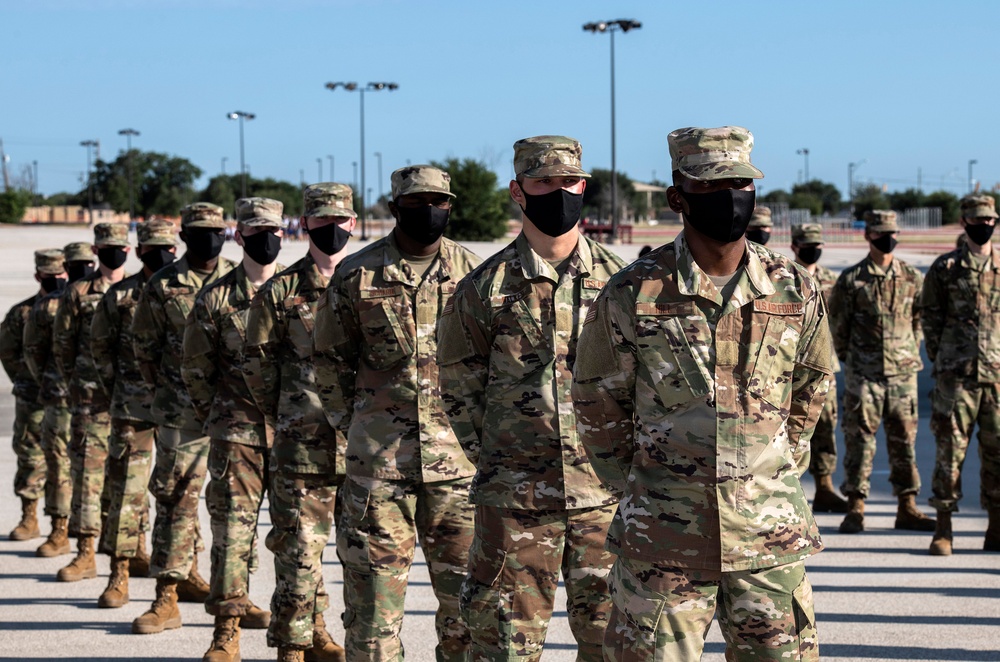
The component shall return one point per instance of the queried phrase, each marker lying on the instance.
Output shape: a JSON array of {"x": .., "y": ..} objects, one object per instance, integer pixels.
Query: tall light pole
[
  {"x": 805, "y": 154},
  {"x": 378, "y": 155},
  {"x": 611, "y": 27},
  {"x": 330, "y": 156},
  {"x": 355, "y": 164},
  {"x": 851, "y": 167},
  {"x": 972, "y": 162},
  {"x": 241, "y": 115},
  {"x": 128, "y": 133},
  {"x": 90, "y": 192},
  {"x": 319, "y": 167},
  {"x": 34, "y": 178},
  {"x": 224, "y": 159},
  {"x": 354, "y": 87}
]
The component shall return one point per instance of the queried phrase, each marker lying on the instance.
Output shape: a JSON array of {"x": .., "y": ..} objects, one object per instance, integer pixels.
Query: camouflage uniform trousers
[
  {"x": 130, "y": 457},
  {"x": 823, "y": 461},
  {"x": 376, "y": 537},
  {"x": 663, "y": 613},
  {"x": 239, "y": 476},
  {"x": 891, "y": 401},
  {"x": 957, "y": 405},
  {"x": 29, "y": 479},
  {"x": 88, "y": 455},
  {"x": 55, "y": 445},
  {"x": 178, "y": 475},
  {"x": 303, "y": 507},
  {"x": 514, "y": 566}
]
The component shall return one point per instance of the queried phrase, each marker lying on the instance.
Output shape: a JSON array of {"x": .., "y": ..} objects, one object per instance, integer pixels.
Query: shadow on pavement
[{"x": 954, "y": 592}]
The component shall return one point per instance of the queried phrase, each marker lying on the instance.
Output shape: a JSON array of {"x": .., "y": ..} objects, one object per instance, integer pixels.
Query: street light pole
[
  {"x": 90, "y": 192},
  {"x": 805, "y": 153},
  {"x": 378, "y": 155},
  {"x": 355, "y": 164},
  {"x": 851, "y": 167},
  {"x": 330, "y": 156},
  {"x": 224, "y": 159},
  {"x": 241, "y": 115},
  {"x": 34, "y": 177},
  {"x": 972, "y": 162},
  {"x": 611, "y": 27},
  {"x": 128, "y": 133},
  {"x": 319, "y": 167}
]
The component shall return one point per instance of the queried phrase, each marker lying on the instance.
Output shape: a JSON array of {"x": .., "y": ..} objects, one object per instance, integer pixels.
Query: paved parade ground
[{"x": 879, "y": 595}]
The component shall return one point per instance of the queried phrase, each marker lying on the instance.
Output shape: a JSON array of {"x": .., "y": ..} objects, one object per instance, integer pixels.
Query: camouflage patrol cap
[
  {"x": 548, "y": 156},
  {"x": 259, "y": 212},
  {"x": 807, "y": 233},
  {"x": 881, "y": 220},
  {"x": 202, "y": 215},
  {"x": 979, "y": 206},
  {"x": 709, "y": 154},
  {"x": 157, "y": 233},
  {"x": 328, "y": 199},
  {"x": 79, "y": 251},
  {"x": 761, "y": 218},
  {"x": 420, "y": 179},
  {"x": 111, "y": 234},
  {"x": 50, "y": 261}
]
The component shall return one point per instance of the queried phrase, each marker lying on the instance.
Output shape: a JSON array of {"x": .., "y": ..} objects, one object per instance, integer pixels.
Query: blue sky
[{"x": 906, "y": 85}]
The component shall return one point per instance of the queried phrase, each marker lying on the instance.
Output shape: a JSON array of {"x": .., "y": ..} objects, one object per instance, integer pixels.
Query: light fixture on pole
[
  {"x": 90, "y": 193},
  {"x": 805, "y": 154},
  {"x": 330, "y": 156},
  {"x": 128, "y": 133},
  {"x": 972, "y": 187},
  {"x": 241, "y": 115},
  {"x": 611, "y": 27},
  {"x": 354, "y": 87}
]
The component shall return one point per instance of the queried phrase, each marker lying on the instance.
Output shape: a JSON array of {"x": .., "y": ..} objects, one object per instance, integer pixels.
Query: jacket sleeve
[
  {"x": 336, "y": 339},
  {"x": 812, "y": 377},
  {"x": 841, "y": 316},
  {"x": 37, "y": 340},
  {"x": 65, "y": 329},
  {"x": 918, "y": 333},
  {"x": 933, "y": 308},
  {"x": 199, "y": 363},
  {"x": 148, "y": 334},
  {"x": 265, "y": 332},
  {"x": 104, "y": 334},
  {"x": 11, "y": 344}
]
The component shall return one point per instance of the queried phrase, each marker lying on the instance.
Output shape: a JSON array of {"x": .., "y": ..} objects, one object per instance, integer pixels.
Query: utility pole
[{"x": 3, "y": 161}]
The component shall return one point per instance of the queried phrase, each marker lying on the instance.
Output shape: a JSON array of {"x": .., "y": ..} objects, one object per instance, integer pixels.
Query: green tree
[
  {"x": 911, "y": 198},
  {"x": 776, "y": 196},
  {"x": 162, "y": 183},
  {"x": 947, "y": 202},
  {"x": 597, "y": 195},
  {"x": 13, "y": 203},
  {"x": 806, "y": 200},
  {"x": 825, "y": 192},
  {"x": 867, "y": 198},
  {"x": 479, "y": 211},
  {"x": 220, "y": 192},
  {"x": 223, "y": 190}
]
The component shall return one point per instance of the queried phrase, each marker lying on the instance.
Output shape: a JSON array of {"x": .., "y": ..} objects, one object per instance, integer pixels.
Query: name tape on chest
[
  {"x": 775, "y": 308},
  {"x": 381, "y": 292}
]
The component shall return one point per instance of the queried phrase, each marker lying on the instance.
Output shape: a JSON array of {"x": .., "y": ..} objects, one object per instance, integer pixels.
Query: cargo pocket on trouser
[
  {"x": 482, "y": 601},
  {"x": 805, "y": 620},
  {"x": 166, "y": 470},
  {"x": 352, "y": 547},
  {"x": 217, "y": 493},
  {"x": 635, "y": 615}
]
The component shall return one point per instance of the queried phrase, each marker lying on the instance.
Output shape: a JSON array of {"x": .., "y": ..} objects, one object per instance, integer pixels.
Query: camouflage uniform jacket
[
  {"x": 507, "y": 351},
  {"x": 113, "y": 352},
  {"x": 71, "y": 343},
  {"x": 12, "y": 349},
  {"x": 826, "y": 278},
  {"x": 158, "y": 338},
  {"x": 376, "y": 362},
  {"x": 960, "y": 313},
  {"x": 212, "y": 367},
  {"x": 700, "y": 413},
  {"x": 39, "y": 354},
  {"x": 875, "y": 319},
  {"x": 281, "y": 375}
]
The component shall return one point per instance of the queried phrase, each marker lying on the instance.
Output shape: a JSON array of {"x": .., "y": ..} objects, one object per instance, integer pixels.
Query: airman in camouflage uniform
[
  {"x": 875, "y": 321},
  {"x": 701, "y": 372},
  {"x": 29, "y": 479},
  {"x": 212, "y": 370},
  {"x": 376, "y": 370},
  {"x": 307, "y": 456},
  {"x": 130, "y": 446},
  {"x": 54, "y": 394},
  {"x": 508, "y": 345},
  {"x": 961, "y": 318},
  {"x": 181, "y": 446},
  {"x": 759, "y": 230},
  {"x": 807, "y": 244}
]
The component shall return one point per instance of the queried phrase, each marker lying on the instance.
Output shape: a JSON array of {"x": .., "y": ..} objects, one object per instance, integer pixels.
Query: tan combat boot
[
  {"x": 84, "y": 565},
  {"x": 908, "y": 518},
  {"x": 225, "y": 642},
  {"x": 194, "y": 588},
  {"x": 941, "y": 543},
  {"x": 163, "y": 614},
  {"x": 138, "y": 565},
  {"x": 290, "y": 655},
  {"x": 324, "y": 649},
  {"x": 255, "y": 618},
  {"x": 116, "y": 593},
  {"x": 855, "y": 520},
  {"x": 27, "y": 528},
  {"x": 57, "y": 543},
  {"x": 827, "y": 500},
  {"x": 992, "y": 541}
]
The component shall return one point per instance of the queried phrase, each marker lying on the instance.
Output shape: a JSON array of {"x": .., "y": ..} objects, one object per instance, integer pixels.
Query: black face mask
[
  {"x": 53, "y": 284},
  {"x": 720, "y": 215},
  {"x": 979, "y": 233},
  {"x": 554, "y": 213},
  {"x": 758, "y": 235},
  {"x": 886, "y": 243},
  {"x": 262, "y": 247},
  {"x": 424, "y": 224},
  {"x": 78, "y": 270},
  {"x": 810, "y": 254},
  {"x": 112, "y": 257},
  {"x": 204, "y": 243},
  {"x": 157, "y": 258},
  {"x": 330, "y": 239}
]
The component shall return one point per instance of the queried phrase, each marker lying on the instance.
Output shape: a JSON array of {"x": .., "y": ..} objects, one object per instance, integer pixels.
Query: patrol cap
[
  {"x": 111, "y": 234},
  {"x": 420, "y": 179},
  {"x": 709, "y": 154},
  {"x": 881, "y": 220},
  {"x": 259, "y": 212},
  {"x": 548, "y": 156},
  {"x": 202, "y": 215},
  {"x": 807, "y": 233},
  {"x": 79, "y": 251},
  {"x": 50, "y": 261},
  {"x": 328, "y": 199},
  {"x": 761, "y": 218},
  {"x": 157, "y": 233},
  {"x": 978, "y": 206}
]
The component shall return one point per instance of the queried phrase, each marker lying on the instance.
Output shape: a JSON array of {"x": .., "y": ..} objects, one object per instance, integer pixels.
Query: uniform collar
[
  {"x": 533, "y": 266},
  {"x": 395, "y": 269},
  {"x": 312, "y": 279},
  {"x": 993, "y": 263},
  {"x": 878, "y": 271},
  {"x": 754, "y": 283}
]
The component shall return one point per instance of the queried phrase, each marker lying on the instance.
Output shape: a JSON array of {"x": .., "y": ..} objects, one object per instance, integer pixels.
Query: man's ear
[{"x": 674, "y": 199}]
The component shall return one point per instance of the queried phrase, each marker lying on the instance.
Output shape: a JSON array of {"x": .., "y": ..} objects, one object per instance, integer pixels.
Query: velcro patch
[
  {"x": 774, "y": 308},
  {"x": 591, "y": 284},
  {"x": 507, "y": 299},
  {"x": 591, "y": 315},
  {"x": 449, "y": 307},
  {"x": 673, "y": 309},
  {"x": 381, "y": 292}
]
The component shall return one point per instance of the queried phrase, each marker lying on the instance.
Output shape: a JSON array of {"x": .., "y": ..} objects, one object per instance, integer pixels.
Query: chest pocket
[
  {"x": 667, "y": 338},
  {"x": 178, "y": 305},
  {"x": 88, "y": 303},
  {"x": 233, "y": 331},
  {"x": 386, "y": 342},
  {"x": 301, "y": 321},
  {"x": 771, "y": 380},
  {"x": 520, "y": 347}
]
